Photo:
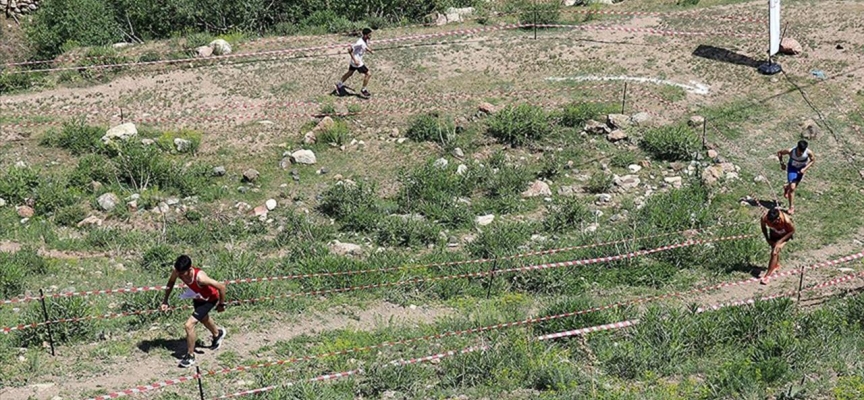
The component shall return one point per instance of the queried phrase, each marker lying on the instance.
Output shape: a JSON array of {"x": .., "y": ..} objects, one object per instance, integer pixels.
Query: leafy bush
[
  {"x": 504, "y": 179},
  {"x": 76, "y": 137},
  {"x": 52, "y": 194},
  {"x": 500, "y": 239},
  {"x": 575, "y": 115},
  {"x": 432, "y": 191},
  {"x": 15, "y": 267},
  {"x": 600, "y": 182},
  {"x": 17, "y": 184},
  {"x": 56, "y": 25},
  {"x": 90, "y": 168},
  {"x": 394, "y": 231},
  {"x": 158, "y": 258},
  {"x": 550, "y": 166},
  {"x": 623, "y": 159},
  {"x": 431, "y": 127},
  {"x": 69, "y": 215},
  {"x": 337, "y": 134},
  {"x": 353, "y": 205},
  {"x": 519, "y": 125},
  {"x": 166, "y": 140},
  {"x": 567, "y": 213},
  {"x": 67, "y": 332},
  {"x": 672, "y": 143},
  {"x": 687, "y": 3},
  {"x": 539, "y": 12},
  {"x": 10, "y": 82},
  {"x": 198, "y": 39},
  {"x": 676, "y": 210}
]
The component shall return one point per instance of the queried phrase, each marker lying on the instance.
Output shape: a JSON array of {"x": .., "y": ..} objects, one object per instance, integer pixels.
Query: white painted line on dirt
[{"x": 693, "y": 87}]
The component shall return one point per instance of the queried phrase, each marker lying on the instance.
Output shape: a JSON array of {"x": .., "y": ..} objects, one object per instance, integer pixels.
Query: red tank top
[{"x": 207, "y": 293}]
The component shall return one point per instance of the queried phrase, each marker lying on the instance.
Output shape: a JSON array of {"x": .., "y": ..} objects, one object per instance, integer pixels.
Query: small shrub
[
  {"x": 429, "y": 187},
  {"x": 157, "y": 259},
  {"x": 17, "y": 184},
  {"x": 166, "y": 141},
  {"x": 90, "y": 168},
  {"x": 504, "y": 179},
  {"x": 76, "y": 137},
  {"x": 431, "y": 127},
  {"x": 337, "y": 134},
  {"x": 67, "y": 332},
  {"x": 623, "y": 160},
  {"x": 600, "y": 182},
  {"x": 142, "y": 301},
  {"x": 550, "y": 166},
  {"x": 328, "y": 109},
  {"x": 394, "y": 231},
  {"x": 353, "y": 205},
  {"x": 52, "y": 194},
  {"x": 671, "y": 143},
  {"x": 519, "y": 125},
  {"x": 542, "y": 12},
  {"x": 500, "y": 239},
  {"x": 53, "y": 26},
  {"x": 576, "y": 321},
  {"x": 149, "y": 56},
  {"x": 567, "y": 213},
  {"x": 575, "y": 115},
  {"x": 11, "y": 82},
  {"x": 198, "y": 39},
  {"x": 687, "y": 3},
  {"x": 69, "y": 215}
]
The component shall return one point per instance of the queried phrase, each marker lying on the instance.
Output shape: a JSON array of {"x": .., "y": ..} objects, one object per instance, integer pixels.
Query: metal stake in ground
[
  {"x": 704, "y": 129},
  {"x": 200, "y": 386},
  {"x": 491, "y": 276},
  {"x": 535, "y": 19},
  {"x": 800, "y": 284},
  {"x": 47, "y": 321},
  {"x": 624, "y": 97}
]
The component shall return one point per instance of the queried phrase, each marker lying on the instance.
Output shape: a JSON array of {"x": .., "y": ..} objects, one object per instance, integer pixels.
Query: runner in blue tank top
[{"x": 800, "y": 160}]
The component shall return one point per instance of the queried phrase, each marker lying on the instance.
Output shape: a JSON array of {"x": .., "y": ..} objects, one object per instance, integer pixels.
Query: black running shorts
[
  {"x": 361, "y": 69},
  {"x": 202, "y": 308}
]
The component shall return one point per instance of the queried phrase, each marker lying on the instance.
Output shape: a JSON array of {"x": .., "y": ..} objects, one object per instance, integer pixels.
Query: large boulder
[
  {"x": 220, "y": 47},
  {"x": 120, "y": 132}
]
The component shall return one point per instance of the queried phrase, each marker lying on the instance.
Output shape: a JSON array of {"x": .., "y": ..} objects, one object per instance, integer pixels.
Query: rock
[
  {"x": 147, "y": 142},
  {"x": 596, "y": 128},
  {"x": 303, "y": 157},
  {"x": 810, "y": 130},
  {"x": 132, "y": 206},
  {"x": 603, "y": 198},
  {"x": 645, "y": 163},
  {"x": 626, "y": 182},
  {"x": 260, "y": 211},
  {"x": 285, "y": 163},
  {"x": 401, "y": 140},
  {"x": 568, "y": 190},
  {"x": 395, "y": 133},
  {"x": 108, "y": 201},
  {"x": 677, "y": 166},
  {"x": 759, "y": 179},
  {"x": 2, "y": 202},
  {"x": 640, "y": 118},
  {"x": 675, "y": 181},
  {"x": 440, "y": 163},
  {"x": 487, "y": 108},
  {"x": 121, "y": 132},
  {"x": 323, "y": 125},
  {"x": 728, "y": 167},
  {"x": 457, "y": 152},
  {"x": 633, "y": 168},
  {"x": 204, "y": 51},
  {"x": 345, "y": 249},
  {"x": 712, "y": 174},
  {"x": 95, "y": 186},
  {"x": 712, "y": 154},
  {"x": 219, "y": 171},
  {"x": 440, "y": 19},
  {"x": 182, "y": 145},
  {"x": 455, "y": 14},
  {"x": 618, "y": 121},
  {"x": 25, "y": 211},
  {"x": 591, "y": 228},
  {"x": 220, "y": 47},
  {"x": 731, "y": 176},
  {"x": 271, "y": 204},
  {"x": 616, "y": 135},
  {"x": 790, "y": 46},
  {"x": 89, "y": 221},
  {"x": 310, "y": 138},
  {"x": 696, "y": 121},
  {"x": 461, "y": 169},
  {"x": 484, "y": 220},
  {"x": 538, "y": 188},
  {"x": 119, "y": 45},
  {"x": 251, "y": 175}
]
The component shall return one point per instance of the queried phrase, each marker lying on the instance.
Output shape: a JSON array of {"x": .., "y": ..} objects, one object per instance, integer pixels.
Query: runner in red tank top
[{"x": 206, "y": 294}]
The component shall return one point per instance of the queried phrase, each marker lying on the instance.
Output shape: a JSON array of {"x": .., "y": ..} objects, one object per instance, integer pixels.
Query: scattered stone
[
  {"x": 337, "y": 177},
  {"x": 310, "y": 138},
  {"x": 172, "y": 201},
  {"x": 640, "y": 118},
  {"x": 303, "y": 157},
  {"x": 538, "y": 188},
  {"x": 626, "y": 182},
  {"x": 285, "y": 163},
  {"x": 220, "y": 47},
  {"x": 790, "y": 46},
  {"x": 484, "y": 220},
  {"x": 89, "y": 221},
  {"x": 20, "y": 164},
  {"x": 810, "y": 130},
  {"x": 461, "y": 169},
  {"x": 108, "y": 201},
  {"x": 591, "y": 228},
  {"x": 219, "y": 171},
  {"x": 204, "y": 51},
  {"x": 271, "y": 204},
  {"x": 345, "y": 249},
  {"x": 731, "y": 176},
  {"x": 251, "y": 175},
  {"x": 242, "y": 189},
  {"x": 596, "y": 128},
  {"x": 696, "y": 121},
  {"x": 712, "y": 174},
  {"x": 260, "y": 211},
  {"x": 603, "y": 198},
  {"x": 457, "y": 152},
  {"x": 395, "y": 133},
  {"x": 132, "y": 206},
  {"x": 616, "y": 135},
  {"x": 440, "y": 163},
  {"x": 121, "y": 132},
  {"x": 25, "y": 211},
  {"x": 712, "y": 154},
  {"x": 675, "y": 181},
  {"x": 147, "y": 142},
  {"x": 487, "y": 108},
  {"x": 568, "y": 190},
  {"x": 455, "y": 14},
  {"x": 633, "y": 168},
  {"x": 2, "y": 202},
  {"x": 759, "y": 179},
  {"x": 618, "y": 121},
  {"x": 182, "y": 145}
]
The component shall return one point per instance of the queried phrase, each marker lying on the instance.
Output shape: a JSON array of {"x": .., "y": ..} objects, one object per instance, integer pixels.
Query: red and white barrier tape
[
  {"x": 145, "y": 388},
  {"x": 527, "y": 322},
  {"x": 25, "y": 299},
  {"x": 662, "y": 14},
  {"x": 652, "y": 31}
]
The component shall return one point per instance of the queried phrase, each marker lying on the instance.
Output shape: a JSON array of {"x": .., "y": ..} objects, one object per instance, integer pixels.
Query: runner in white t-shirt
[{"x": 356, "y": 51}]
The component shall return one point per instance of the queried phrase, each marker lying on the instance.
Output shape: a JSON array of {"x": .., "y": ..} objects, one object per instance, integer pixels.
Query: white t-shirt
[{"x": 359, "y": 48}]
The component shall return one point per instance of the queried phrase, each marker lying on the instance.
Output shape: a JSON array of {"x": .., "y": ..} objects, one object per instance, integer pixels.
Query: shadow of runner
[
  {"x": 718, "y": 54},
  {"x": 176, "y": 346}
]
